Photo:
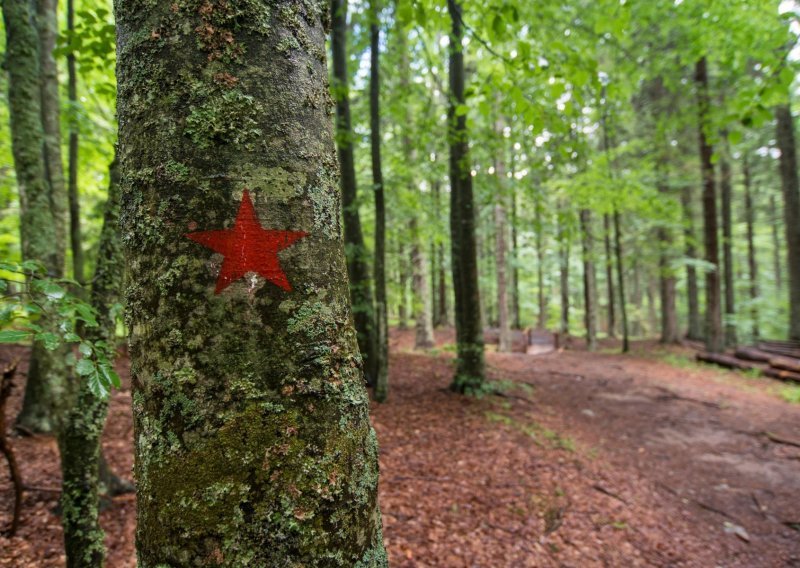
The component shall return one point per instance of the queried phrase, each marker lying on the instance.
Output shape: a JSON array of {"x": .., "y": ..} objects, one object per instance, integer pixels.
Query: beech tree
[{"x": 252, "y": 436}]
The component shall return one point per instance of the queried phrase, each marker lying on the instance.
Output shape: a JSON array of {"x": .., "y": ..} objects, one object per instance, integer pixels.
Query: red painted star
[{"x": 248, "y": 247}]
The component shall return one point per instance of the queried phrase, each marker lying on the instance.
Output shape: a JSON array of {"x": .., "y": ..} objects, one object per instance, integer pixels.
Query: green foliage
[{"x": 27, "y": 294}]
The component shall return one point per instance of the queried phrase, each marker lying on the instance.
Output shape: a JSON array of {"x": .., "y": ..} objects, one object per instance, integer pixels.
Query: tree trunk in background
[
  {"x": 76, "y": 242},
  {"x": 469, "y": 331},
  {"x": 666, "y": 275},
  {"x": 402, "y": 306},
  {"x": 791, "y": 210},
  {"x": 750, "y": 220},
  {"x": 695, "y": 328},
  {"x": 252, "y": 435},
  {"x": 501, "y": 242},
  {"x": 39, "y": 220},
  {"x": 381, "y": 390},
  {"x": 47, "y": 19},
  {"x": 79, "y": 442},
  {"x": 541, "y": 318},
  {"x": 516, "y": 322},
  {"x": 612, "y": 323},
  {"x": 563, "y": 261},
  {"x": 636, "y": 296},
  {"x": 623, "y": 309},
  {"x": 589, "y": 280},
  {"x": 776, "y": 244},
  {"x": 440, "y": 315},
  {"x": 357, "y": 265},
  {"x": 715, "y": 339},
  {"x": 726, "y": 190}
]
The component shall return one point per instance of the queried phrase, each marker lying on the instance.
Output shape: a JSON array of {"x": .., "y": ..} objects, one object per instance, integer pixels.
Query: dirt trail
[{"x": 596, "y": 460}]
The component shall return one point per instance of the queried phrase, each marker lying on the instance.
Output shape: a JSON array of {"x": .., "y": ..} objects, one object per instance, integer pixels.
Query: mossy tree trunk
[
  {"x": 79, "y": 440},
  {"x": 470, "y": 368},
  {"x": 790, "y": 185},
  {"x": 39, "y": 219},
  {"x": 381, "y": 390},
  {"x": 715, "y": 340},
  {"x": 357, "y": 256},
  {"x": 252, "y": 435}
]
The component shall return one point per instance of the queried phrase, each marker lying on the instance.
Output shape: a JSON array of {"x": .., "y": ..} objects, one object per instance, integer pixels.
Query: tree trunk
[
  {"x": 76, "y": 242},
  {"x": 440, "y": 315},
  {"x": 516, "y": 322},
  {"x": 623, "y": 309},
  {"x": 636, "y": 296},
  {"x": 726, "y": 191},
  {"x": 791, "y": 210},
  {"x": 612, "y": 323},
  {"x": 38, "y": 218},
  {"x": 402, "y": 305},
  {"x": 589, "y": 280},
  {"x": 541, "y": 322},
  {"x": 695, "y": 329},
  {"x": 423, "y": 338},
  {"x": 776, "y": 244},
  {"x": 563, "y": 257},
  {"x": 469, "y": 331},
  {"x": 666, "y": 277},
  {"x": 715, "y": 340},
  {"x": 501, "y": 242},
  {"x": 252, "y": 435},
  {"x": 357, "y": 265},
  {"x": 750, "y": 220},
  {"x": 79, "y": 442},
  {"x": 381, "y": 390}
]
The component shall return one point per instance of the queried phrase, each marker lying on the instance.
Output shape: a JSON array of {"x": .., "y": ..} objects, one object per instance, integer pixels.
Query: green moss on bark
[{"x": 253, "y": 443}]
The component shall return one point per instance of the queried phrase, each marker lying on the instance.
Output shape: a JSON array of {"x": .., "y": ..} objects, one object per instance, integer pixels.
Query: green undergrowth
[{"x": 541, "y": 435}]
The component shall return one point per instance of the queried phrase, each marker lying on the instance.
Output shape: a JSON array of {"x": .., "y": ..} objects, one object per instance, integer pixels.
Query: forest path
[{"x": 688, "y": 457}]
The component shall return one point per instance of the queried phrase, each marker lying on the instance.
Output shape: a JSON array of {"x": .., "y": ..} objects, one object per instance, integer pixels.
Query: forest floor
[{"x": 583, "y": 459}]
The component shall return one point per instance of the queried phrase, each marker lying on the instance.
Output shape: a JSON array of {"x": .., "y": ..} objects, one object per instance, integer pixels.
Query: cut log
[
  {"x": 753, "y": 354},
  {"x": 726, "y": 361},
  {"x": 777, "y": 349},
  {"x": 785, "y": 364},
  {"x": 782, "y": 374}
]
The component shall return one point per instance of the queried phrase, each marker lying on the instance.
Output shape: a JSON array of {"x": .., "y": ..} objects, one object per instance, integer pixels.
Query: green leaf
[
  {"x": 13, "y": 336},
  {"x": 85, "y": 367},
  {"x": 85, "y": 349},
  {"x": 51, "y": 340},
  {"x": 96, "y": 385}
]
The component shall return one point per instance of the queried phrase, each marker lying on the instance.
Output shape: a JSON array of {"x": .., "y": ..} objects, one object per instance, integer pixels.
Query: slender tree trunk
[
  {"x": 563, "y": 257},
  {"x": 76, "y": 242},
  {"x": 666, "y": 277},
  {"x": 440, "y": 317},
  {"x": 726, "y": 190},
  {"x": 623, "y": 309},
  {"x": 252, "y": 435},
  {"x": 612, "y": 323},
  {"x": 715, "y": 340},
  {"x": 589, "y": 280},
  {"x": 695, "y": 328},
  {"x": 501, "y": 242},
  {"x": 357, "y": 265},
  {"x": 750, "y": 220},
  {"x": 791, "y": 210},
  {"x": 541, "y": 322},
  {"x": 516, "y": 322},
  {"x": 38, "y": 218},
  {"x": 636, "y": 296},
  {"x": 381, "y": 390},
  {"x": 469, "y": 330},
  {"x": 776, "y": 244},
  {"x": 423, "y": 322},
  {"x": 402, "y": 306},
  {"x": 80, "y": 440}
]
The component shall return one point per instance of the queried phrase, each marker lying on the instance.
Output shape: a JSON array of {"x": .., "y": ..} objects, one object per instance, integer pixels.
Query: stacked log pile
[{"x": 776, "y": 359}]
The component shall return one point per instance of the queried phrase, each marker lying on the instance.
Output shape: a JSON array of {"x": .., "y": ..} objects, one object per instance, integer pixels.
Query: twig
[
  {"x": 605, "y": 491},
  {"x": 758, "y": 505},
  {"x": 5, "y": 446},
  {"x": 781, "y": 440},
  {"x": 670, "y": 395},
  {"x": 714, "y": 510}
]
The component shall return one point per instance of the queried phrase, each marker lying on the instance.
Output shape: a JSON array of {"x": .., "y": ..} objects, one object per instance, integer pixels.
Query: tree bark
[
  {"x": 38, "y": 218},
  {"x": 441, "y": 313},
  {"x": 516, "y": 321},
  {"x": 589, "y": 280},
  {"x": 501, "y": 242},
  {"x": 612, "y": 323},
  {"x": 752, "y": 264},
  {"x": 76, "y": 242},
  {"x": 776, "y": 244},
  {"x": 563, "y": 257},
  {"x": 541, "y": 321},
  {"x": 357, "y": 255},
  {"x": 470, "y": 367},
  {"x": 715, "y": 340},
  {"x": 623, "y": 309},
  {"x": 785, "y": 137},
  {"x": 79, "y": 441},
  {"x": 695, "y": 328},
  {"x": 252, "y": 435},
  {"x": 381, "y": 391},
  {"x": 726, "y": 190}
]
